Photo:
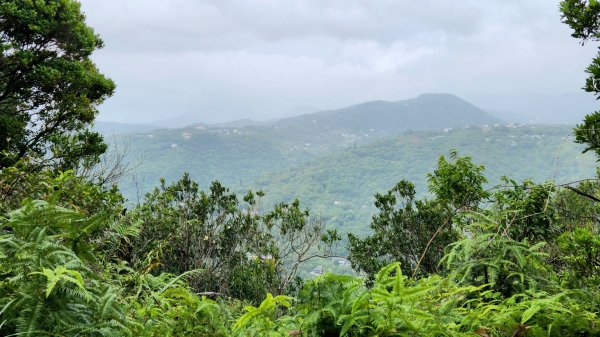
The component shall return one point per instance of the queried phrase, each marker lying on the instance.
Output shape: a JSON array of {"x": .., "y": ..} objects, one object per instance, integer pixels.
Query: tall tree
[
  {"x": 583, "y": 16},
  {"x": 49, "y": 87},
  {"x": 240, "y": 250},
  {"x": 415, "y": 232}
]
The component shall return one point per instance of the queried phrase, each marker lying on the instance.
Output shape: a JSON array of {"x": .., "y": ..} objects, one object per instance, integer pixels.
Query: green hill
[
  {"x": 426, "y": 112},
  {"x": 237, "y": 154},
  {"x": 340, "y": 187},
  {"x": 329, "y": 162}
]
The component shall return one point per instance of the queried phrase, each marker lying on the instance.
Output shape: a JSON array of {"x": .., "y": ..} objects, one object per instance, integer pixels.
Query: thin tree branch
[{"x": 582, "y": 193}]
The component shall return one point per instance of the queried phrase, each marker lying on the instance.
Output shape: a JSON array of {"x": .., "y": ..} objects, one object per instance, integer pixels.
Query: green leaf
[{"x": 527, "y": 314}]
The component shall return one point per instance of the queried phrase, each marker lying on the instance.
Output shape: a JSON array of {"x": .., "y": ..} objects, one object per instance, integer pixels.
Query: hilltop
[
  {"x": 340, "y": 187},
  {"x": 335, "y": 165},
  {"x": 425, "y": 112},
  {"x": 238, "y": 153}
]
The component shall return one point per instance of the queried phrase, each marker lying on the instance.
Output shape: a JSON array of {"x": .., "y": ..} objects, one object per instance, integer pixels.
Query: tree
[
  {"x": 49, "y": 87},
  {"x": 580, "y": 247},
  {"x": 583, "y": 17},
  {"x": 415, "y": 232},
  {"x": 240, "y": 251}
]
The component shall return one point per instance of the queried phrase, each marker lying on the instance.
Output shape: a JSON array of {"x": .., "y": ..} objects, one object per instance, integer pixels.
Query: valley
[{"x": 334, "y": 164}]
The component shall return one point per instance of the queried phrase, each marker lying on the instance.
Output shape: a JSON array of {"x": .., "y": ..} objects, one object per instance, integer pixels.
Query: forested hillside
[
  {"x": 238, "y": 155},
  {"x": 340, "y": 187},
  {"x": 338, "y": 181},
  {"x": 380, "y": 118},
  {"x": 451, "y": 254}
]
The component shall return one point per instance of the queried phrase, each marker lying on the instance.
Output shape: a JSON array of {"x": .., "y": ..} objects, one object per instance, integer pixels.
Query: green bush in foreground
[{"x": 495, "y": 286}]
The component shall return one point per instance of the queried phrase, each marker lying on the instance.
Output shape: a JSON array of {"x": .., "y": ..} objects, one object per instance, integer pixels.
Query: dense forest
[{"x": 473, "y": 253}]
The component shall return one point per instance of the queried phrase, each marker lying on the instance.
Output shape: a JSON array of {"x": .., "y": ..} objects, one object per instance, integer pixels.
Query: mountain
[
  {"x": 328, "y": 160},
  {"x": 238, "y": 153},
  {"x": 110, "y": 128},
  {"x": 426, "y": 112},
  {"x": 340, "y": 187}
]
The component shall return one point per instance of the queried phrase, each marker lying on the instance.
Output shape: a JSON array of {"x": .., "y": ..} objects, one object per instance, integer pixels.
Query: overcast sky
[{"x": 229, "y": 59}]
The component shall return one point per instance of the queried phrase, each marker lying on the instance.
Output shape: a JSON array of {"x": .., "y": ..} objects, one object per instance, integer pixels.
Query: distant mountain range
[
  {"x": 111, "y": 128},
  {"x": 425, "y": 112},
  {"x": 335, "y": 160},
  {"x": 244, "y": 150}
]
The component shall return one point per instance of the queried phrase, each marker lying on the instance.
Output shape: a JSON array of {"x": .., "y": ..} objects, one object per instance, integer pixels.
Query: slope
[
  {"x": 237, "y": 155},
  {"x": 340, "y": 187},
  {"x": 425, "y": 112}
]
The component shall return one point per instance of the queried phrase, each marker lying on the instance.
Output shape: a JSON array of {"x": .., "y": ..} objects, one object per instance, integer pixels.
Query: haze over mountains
[
  {"x": 427, "y": 111},
  {"x": 244, "y": 150},
  {"x": 335, "y": 161}
]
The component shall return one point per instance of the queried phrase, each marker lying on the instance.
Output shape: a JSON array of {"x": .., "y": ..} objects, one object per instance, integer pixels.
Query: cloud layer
[{"x": 227, "y": 59}]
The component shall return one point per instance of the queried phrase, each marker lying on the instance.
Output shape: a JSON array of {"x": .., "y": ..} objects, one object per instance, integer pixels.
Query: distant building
[{"x": 317, "y": 271}]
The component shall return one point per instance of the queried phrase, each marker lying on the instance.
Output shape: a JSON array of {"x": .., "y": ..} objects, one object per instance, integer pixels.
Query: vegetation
[
  {"x": 517, "y": 259},
  {"x": 425, "y": 227},
  {"x": 49, "y": 87},
  {"x": 338, "y": 182},
  {"x": 380, "y": 118}
]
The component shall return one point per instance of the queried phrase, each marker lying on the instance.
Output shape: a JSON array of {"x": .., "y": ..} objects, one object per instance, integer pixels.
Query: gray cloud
[{"x": 227, "y": 59}]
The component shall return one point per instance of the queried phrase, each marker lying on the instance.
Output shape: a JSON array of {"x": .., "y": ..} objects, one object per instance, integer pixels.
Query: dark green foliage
[
  {"x": 396, "y": 305},
  {"x": 587, "y": 132},
  {"x": 584, "y": 18},
  {"x": 46, "y": 287},
  {"x": 323, "y": 300},
  {"x": 415, "y": 232},
  {"x": 580, "y": 254},
  {"x": 63, "y": 188},
  {"x": 49, "y": 87},
  {"x": 164, "y": 305},
  {"x": 529, "y": 212},
  {"x": 401, "y": 232},
  {"x": 486, "y": 255},
  {"x": 184, "y": 228},
  {"x": 239, "y": 250}
]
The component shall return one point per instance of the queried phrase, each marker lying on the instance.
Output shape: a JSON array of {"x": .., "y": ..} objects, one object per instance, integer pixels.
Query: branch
[
  {"x": 430, "y": 241},
  {"x": 582, "y": 193}
]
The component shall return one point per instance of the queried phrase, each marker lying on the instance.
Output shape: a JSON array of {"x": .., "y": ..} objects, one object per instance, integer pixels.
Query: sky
[{"x": 219, "y": 60}]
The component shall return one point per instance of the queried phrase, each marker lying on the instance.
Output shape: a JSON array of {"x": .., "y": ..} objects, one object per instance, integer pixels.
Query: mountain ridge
[{"x": 424, "y": 112}]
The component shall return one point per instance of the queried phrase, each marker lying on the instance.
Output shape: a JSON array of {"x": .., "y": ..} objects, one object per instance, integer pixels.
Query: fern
[{"x": 48, "y": 288}]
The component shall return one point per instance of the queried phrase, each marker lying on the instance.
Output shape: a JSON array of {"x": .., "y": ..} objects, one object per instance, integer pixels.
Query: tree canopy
[
  {"x": 49, "y": 87},
  {"x": 584, "y": 18}
]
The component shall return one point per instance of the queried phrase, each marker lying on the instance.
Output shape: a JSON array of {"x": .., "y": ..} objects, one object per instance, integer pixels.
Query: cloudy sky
[{"x": 218, "y": 60}]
